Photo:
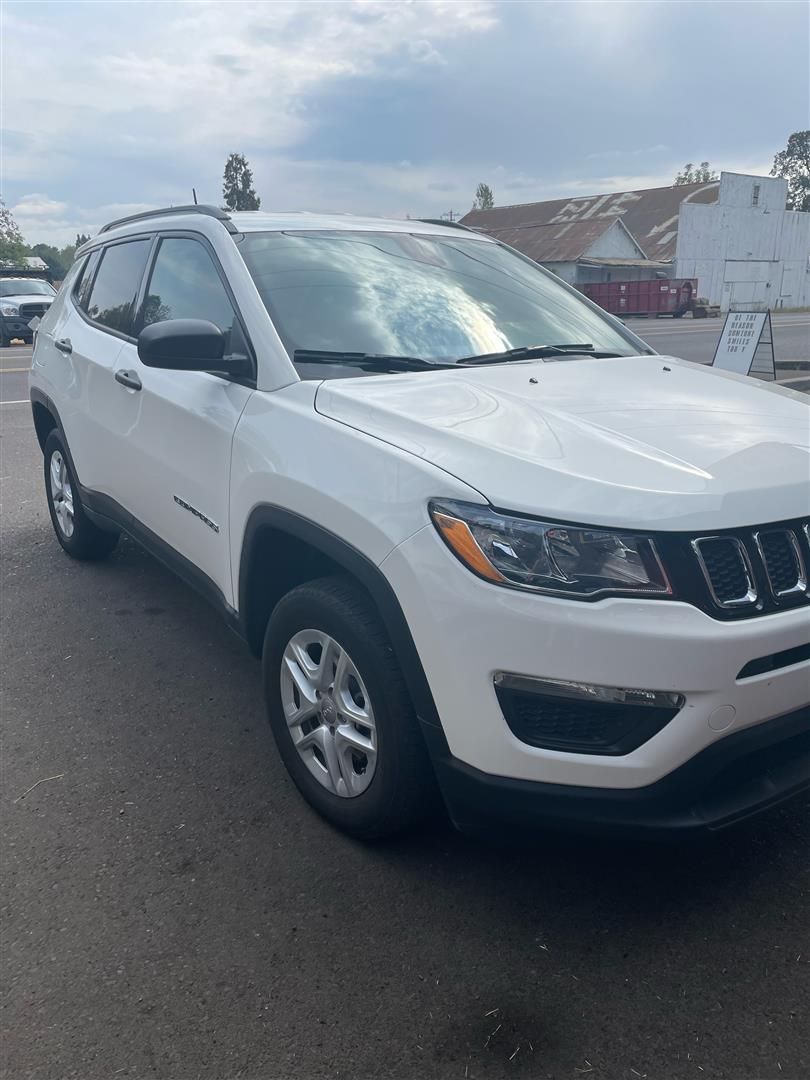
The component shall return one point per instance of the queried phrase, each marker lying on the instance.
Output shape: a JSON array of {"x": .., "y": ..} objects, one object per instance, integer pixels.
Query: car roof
[
  {"x": 247, "y": 221},
  {"x": 263, "y": 221}
]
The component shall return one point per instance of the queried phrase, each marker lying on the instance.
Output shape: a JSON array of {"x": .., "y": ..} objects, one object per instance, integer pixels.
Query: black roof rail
[
  {"x": 201, "y": 208},
  {"x": 442, "y": 221}
]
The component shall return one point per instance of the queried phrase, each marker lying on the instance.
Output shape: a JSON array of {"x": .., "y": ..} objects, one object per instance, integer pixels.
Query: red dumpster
[{"x": 652, "y": 298}]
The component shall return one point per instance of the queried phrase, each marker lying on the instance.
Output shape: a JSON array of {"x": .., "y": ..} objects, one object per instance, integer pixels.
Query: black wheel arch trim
[
  {"x": 366, "y": 572},
  {"x": 39, "y": 397}
]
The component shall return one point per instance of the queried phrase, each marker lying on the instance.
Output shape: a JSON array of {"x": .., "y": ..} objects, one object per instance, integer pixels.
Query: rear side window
[
  {"x": 185, "y": 285},
  {"x": 115, "y": 289}
]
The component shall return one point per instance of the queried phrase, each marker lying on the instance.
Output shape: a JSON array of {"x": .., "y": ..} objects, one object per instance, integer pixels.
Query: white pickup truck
[
  {"x": 22, "y": 299},
  {"x": 491, "y": 548}
]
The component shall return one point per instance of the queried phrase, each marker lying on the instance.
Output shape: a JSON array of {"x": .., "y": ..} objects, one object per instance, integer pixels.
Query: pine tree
[
  {"x": 484, "y": 199},
  {"x": 237, "y": 185}
]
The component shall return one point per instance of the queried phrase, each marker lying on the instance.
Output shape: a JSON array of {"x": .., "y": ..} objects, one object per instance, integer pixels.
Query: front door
[{"x": 179, "y": 425}]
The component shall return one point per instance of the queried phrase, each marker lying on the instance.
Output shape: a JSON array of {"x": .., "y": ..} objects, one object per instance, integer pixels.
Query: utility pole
[{"x": 450, "y": 215}]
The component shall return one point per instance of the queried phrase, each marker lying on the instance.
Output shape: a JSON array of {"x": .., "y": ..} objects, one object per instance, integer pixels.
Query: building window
[{"x": 755, "y": 195}]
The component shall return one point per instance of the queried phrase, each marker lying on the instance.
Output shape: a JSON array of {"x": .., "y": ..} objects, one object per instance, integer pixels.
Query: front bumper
[
  {"x": 736, "y": 777},
  {"x": 467, "y": 630},
  {"x": 16, "y": 326}
]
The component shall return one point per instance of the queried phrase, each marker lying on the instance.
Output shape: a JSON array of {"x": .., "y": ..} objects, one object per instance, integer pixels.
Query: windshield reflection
[{"x": 436, "y": 297}]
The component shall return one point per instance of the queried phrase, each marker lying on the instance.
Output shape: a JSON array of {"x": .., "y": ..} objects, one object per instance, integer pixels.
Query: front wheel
[
  {"x": 77, "y": 534},
  {"x": 341, "y": 714}
]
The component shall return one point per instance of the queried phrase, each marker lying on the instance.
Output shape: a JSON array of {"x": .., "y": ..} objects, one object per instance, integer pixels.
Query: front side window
[
  {"x": 436, "y": 297},
  {"x": 185, "y": 285},
  {"x": 115, "y": 289}
]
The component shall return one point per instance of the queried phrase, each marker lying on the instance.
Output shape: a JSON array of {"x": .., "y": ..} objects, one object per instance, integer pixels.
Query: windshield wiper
[
  {"x": 369, "y": 361},
  {"x": 536, "y": 352}
]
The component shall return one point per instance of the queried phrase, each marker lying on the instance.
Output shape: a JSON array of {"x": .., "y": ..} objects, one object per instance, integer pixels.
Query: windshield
[
  {"x": 25, "y": 287},
  {"x": 441, "y": 298}
]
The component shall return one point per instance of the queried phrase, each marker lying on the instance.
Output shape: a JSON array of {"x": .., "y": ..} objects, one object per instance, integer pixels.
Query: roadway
[
  {"x": 696, "y": 340},
  {"x": 172, "y": 910}
]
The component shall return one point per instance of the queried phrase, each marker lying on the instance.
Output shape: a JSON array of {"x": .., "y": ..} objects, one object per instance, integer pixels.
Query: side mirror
[{"x": 182, "y": 345}]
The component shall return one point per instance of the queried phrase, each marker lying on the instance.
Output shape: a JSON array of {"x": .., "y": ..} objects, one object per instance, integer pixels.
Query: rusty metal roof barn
[{"x": 564, "y": 230}]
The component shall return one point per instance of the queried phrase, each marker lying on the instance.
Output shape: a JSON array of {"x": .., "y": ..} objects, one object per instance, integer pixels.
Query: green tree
[
  {"x": 484, "y": 199},
  {"x": 53, "y": 257},
  {"x": 696, "y": 174},
  {"x": 81, "y": 238},
  {"x": 793, "y": 165},
  {"x": 237, "y": 185},
  {"x": 12, "y": 245}
]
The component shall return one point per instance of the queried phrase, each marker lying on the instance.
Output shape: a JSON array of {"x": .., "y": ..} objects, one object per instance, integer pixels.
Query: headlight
[
  {"x": 9, "y": 309},
  {"x": 567, "y": 560}
]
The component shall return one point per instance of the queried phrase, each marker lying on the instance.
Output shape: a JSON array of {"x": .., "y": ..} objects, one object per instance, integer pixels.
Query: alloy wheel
[
  {"x": 329, "y": 713},
  {"x": 62, "y": 494}
]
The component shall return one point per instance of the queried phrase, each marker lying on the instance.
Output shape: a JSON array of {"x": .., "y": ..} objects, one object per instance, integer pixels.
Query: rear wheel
[
  {"x": 79, "y": 537},
  {"x": 341, "y": 714}
]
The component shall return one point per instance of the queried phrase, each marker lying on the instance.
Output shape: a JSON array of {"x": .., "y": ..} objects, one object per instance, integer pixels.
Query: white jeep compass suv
[{"x": 487, "y": 543}]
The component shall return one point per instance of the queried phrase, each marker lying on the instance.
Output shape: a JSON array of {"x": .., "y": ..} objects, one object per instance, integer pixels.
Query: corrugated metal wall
[{"x": 746, "y": 251}]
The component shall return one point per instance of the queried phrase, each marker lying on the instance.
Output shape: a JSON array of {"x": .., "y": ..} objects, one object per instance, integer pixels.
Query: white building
[
  {"x": 734, "y": 235},
  {"x": 746, "y": 250}
]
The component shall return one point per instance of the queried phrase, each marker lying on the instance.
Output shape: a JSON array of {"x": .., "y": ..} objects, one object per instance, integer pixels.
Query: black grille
[
  {"x": 30, "y": 310},
  {"x": 741, "y": 573},
  {"x": 580, "y": 727},
  {"x": 780, "y": 558},
  {"x": 725, "y": 566}
]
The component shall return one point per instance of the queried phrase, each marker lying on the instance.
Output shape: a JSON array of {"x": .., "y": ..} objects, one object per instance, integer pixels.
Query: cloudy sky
[{"x": 384, "y": 107}]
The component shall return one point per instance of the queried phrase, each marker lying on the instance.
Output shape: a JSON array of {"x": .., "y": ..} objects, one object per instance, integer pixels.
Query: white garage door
[{"x": 748, "y": 282}]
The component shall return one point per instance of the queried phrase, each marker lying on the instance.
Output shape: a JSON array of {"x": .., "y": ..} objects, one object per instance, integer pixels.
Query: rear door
[
  {"x": 88, "y": 335},
  {"x": 178, "y": 428}
]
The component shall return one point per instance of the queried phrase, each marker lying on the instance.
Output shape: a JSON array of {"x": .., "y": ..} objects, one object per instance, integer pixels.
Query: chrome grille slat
[
  {"x": 760, "y": 568},
  {"x": 727, "y": 570},
  {"x": 782, "y": 558}
]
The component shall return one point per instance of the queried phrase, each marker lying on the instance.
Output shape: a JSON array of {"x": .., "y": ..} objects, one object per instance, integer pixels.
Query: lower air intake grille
[{"x": 580, "y": 727}]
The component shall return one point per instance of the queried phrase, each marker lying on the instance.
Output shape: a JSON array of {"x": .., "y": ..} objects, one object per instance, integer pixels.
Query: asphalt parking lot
[{"x": 172, "y": 909}]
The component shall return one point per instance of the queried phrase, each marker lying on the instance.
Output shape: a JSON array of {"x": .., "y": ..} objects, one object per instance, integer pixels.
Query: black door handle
[
  {"x": 128, "y": 378},
  {"x": 63, "y": 345}
]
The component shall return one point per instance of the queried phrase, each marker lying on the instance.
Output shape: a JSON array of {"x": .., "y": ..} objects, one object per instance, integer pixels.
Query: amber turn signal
[{"x": 461, "y": 541}]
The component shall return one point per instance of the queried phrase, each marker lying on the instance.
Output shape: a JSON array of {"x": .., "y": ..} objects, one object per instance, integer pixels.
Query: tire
[
  {"x": 79, "y": 537},
  {"x": 378, "y": 793}
]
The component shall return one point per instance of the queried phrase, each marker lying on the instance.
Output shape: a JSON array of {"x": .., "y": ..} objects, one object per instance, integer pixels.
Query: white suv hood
[
  {"x": 27, "y": 298},
  {"x": 636, "y": 442}
]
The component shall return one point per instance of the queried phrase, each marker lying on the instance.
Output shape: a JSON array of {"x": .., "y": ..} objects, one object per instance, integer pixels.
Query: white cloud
[
  {"x": 46, "y": 221},
  {"x": 113, "y": 107},
  {"x": 237, "y": 70},
  {"x": 38, "y": 206}
]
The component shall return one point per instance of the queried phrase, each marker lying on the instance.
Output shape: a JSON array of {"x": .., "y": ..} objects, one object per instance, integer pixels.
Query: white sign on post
[{"x": 740, "y": 339}]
